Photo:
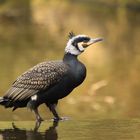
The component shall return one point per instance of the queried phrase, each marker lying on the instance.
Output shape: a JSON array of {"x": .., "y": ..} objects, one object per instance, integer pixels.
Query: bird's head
[{"x": 78, "y": 43}]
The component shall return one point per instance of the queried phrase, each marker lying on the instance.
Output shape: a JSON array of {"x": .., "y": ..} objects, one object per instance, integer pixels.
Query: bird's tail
[{"x": 3, "y": 101}]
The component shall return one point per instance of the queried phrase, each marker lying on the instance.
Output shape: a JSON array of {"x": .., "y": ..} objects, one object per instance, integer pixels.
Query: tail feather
[
  {"x": 8, "y": 103},
  {"x": 3, "y": 101}
]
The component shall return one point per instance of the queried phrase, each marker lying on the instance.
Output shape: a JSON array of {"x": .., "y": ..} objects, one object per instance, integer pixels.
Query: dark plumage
[{"x": 50, "y": 81}]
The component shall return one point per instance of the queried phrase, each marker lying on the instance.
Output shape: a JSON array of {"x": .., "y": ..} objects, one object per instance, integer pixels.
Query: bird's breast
[{"x": 77, "y": 73}]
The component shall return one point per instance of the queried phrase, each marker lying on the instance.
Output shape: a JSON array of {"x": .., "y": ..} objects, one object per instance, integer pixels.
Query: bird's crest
[{"x": 71, "y": 35}]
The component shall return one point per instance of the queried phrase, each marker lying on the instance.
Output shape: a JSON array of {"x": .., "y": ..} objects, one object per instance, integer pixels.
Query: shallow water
[{"x": 96, "y": 129}]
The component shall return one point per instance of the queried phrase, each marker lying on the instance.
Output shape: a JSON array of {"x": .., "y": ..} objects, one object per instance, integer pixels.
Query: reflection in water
[
  {"x": 17, "y": 133},
  {"x": 92, "y": 129}
]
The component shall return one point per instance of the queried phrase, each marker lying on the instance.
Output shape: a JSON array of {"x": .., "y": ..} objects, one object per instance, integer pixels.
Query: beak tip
[
  {"x": 97, "y": 40},
  {"x": 101, "y": 39}
]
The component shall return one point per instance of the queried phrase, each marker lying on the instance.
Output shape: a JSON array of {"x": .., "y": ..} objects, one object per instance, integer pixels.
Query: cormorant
[{"x": 47, "y": 82}]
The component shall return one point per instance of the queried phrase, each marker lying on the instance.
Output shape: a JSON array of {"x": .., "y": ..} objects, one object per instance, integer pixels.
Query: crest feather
[{"x": 71, "y": 35}]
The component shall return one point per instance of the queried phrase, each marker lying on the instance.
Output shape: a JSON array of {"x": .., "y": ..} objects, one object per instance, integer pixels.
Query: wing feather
[{"x": 36, "y": 79}]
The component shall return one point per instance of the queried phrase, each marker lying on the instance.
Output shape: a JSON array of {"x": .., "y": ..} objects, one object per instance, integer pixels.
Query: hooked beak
[{"x": 92, "y": 41}]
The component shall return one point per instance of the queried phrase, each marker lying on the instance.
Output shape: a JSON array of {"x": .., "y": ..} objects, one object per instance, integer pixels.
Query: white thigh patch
[{"x": 34, "y": 98}]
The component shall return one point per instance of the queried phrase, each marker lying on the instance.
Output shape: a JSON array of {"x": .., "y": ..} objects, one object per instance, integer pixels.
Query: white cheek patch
[
  {"x": 72, "y": 50},
  {"x": 34, "y": 98}
]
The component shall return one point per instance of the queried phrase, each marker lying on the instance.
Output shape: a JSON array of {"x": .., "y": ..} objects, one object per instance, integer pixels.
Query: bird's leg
[
  {"x": 37, "y": 125},
  {"x": 53, "y": 110},
  {"x": 38, "y": 117}
]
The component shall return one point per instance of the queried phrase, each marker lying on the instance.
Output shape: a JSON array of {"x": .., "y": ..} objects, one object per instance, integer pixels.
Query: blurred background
[{"x": 32, "y": 31}]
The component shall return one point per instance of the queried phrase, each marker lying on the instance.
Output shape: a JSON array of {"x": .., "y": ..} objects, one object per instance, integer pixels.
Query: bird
[{"x": 48, "y": 82}]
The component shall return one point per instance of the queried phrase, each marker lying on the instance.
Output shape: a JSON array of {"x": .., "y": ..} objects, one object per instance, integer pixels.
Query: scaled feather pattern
[{"x": 36, "y": 79}]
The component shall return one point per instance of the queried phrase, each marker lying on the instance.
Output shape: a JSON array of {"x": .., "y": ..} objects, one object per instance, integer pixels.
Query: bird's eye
[{"x": 86, "y": 40}]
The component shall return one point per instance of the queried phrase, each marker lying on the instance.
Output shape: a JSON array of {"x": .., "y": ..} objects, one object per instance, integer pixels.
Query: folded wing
[{"x": 36, "y": 79}]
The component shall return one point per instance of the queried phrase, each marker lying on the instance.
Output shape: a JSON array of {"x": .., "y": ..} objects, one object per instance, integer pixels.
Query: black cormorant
[{"x": 47, "y": 82}]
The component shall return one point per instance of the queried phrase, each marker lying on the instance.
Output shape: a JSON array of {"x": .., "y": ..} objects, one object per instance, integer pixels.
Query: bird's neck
[{"x": 69, "y": 57}]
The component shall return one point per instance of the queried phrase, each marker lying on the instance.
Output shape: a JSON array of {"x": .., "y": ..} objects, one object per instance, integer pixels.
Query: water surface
[{"x": 96, "y": 129}]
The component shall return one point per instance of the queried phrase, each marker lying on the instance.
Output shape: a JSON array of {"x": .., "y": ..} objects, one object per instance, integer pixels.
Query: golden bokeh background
[{"x": 32, "y": 31}]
